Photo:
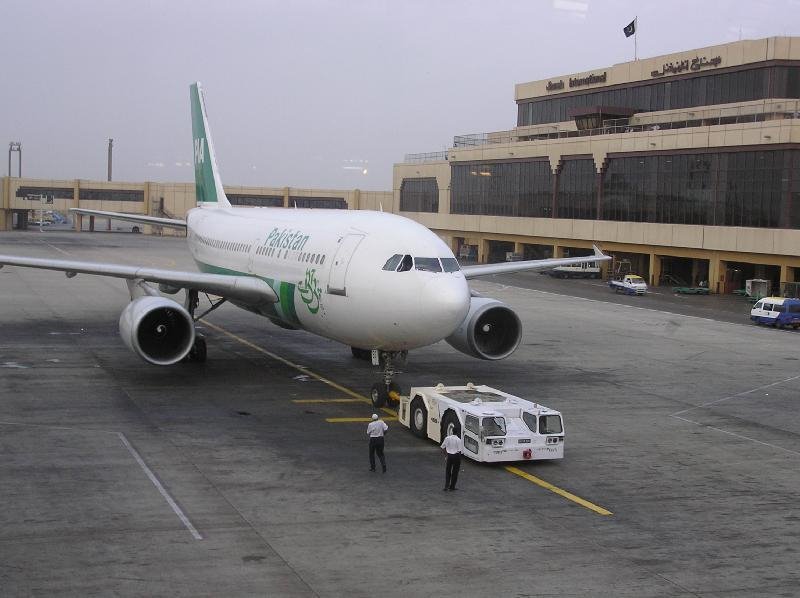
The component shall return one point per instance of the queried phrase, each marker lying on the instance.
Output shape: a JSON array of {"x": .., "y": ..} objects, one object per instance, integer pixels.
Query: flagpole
[{"x": 635, "y": 31}]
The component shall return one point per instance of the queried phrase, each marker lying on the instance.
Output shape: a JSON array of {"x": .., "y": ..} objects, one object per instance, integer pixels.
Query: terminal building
[{"x": 685, "y": 168}]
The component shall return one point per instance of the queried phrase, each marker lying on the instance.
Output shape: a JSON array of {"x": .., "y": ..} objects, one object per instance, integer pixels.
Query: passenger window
[
  {"x": 450, "y": 264},
  {"x": 780, "y": 309},
  {"x": 471, "y": 424},
  {"x": 392, "y": 262},
  {"x": 768, "y": 306},
  {"x": 406, "y": 264},
  {"x": 427, "y": 264},
  {"x": 322, "y": 261}
]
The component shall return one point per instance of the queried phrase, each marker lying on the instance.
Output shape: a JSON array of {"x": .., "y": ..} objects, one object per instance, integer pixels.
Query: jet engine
[
  {"x": 491, "y": 330},
  {"x": 157, "y": 329}
]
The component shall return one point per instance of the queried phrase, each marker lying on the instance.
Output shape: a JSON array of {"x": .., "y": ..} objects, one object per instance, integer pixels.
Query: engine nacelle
[
  {"x": 158, "y": 330},
  {"x": 491, "y": 330}
]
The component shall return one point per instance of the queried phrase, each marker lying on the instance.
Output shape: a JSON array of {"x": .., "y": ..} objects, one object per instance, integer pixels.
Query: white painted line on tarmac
[
  {"x": 134, "y": 453},
  {"x": 170, "y": 501},
  {"x": 57, "y": 248},
  {"x": 738, "y": 394},
  {"x": 677, "y": 415},
  {"x": 740, "y": 436}
]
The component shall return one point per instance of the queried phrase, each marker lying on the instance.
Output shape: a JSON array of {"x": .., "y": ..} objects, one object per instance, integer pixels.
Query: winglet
[
  {"x": 208, "y": 185},
  {"x": 597, "y": 252}
]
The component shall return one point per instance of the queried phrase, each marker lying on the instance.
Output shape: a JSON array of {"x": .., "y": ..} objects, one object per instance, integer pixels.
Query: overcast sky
[{"x": 310, "y": 93}]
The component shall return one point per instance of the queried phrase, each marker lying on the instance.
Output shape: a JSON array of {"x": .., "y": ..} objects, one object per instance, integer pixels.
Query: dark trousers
[
  {"x": 376, "y": 446},
  {"x": 451, "y": 470}
]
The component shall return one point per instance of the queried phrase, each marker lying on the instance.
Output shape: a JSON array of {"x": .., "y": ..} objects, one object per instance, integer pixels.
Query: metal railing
[
  {"x": 644, "y": 121},
  {"x": 425, "y": 157}
]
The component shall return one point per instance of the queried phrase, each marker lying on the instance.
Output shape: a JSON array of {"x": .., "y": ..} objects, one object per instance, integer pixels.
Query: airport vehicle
[
  {"x": 494, "y": 425},
  {"x": 378, "y": 282},
  {"x": 776, "y": 311},
  {"x": 584, "y": 270},
  {"x": 630, "y": 284}
]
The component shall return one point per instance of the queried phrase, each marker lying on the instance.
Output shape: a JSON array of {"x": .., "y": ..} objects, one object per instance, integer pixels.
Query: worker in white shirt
[
  {"x": 452, "y": 446},
  {"x": 375, "y": 430}
]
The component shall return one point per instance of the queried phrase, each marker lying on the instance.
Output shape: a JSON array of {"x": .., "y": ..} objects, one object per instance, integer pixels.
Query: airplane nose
[{"x": 450, "y": 296}]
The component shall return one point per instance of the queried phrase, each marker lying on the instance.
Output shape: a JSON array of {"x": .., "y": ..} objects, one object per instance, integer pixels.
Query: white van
[{"x": 776, "y": 311}]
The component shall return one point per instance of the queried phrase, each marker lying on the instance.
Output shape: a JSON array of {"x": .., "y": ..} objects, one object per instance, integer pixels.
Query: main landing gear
[
  {"x": 199, "y": 350},
  {"x": 387, "y": 391}
]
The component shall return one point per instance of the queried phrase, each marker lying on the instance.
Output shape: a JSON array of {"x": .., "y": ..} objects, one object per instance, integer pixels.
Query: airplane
[{"x": 379, "y": 282}]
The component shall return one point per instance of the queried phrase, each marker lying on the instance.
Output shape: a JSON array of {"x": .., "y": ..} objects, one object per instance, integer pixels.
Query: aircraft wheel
[
  {"x": 364, "y": 354},
  {"x": 419, "y": 418},
  {"x": 378, "y": 394},
  {"x": 199, "y": 350},
  {"x": 450, "y": 425}
]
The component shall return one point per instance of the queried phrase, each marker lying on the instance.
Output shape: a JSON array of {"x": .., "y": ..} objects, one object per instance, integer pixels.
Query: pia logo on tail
[{"x": 199, "y": 151}]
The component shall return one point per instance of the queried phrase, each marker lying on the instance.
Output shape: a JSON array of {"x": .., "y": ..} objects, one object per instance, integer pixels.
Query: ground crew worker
[
  {"x": 452, "y": 446},
  {"x": 375, "y": 430}
]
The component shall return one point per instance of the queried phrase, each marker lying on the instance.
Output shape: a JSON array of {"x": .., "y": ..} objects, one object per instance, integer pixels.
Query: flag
[{"x": 630, "y": 29}]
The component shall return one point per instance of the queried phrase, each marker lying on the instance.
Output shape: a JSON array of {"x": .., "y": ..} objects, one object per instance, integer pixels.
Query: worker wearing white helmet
[{"x": 375, "y": 430}]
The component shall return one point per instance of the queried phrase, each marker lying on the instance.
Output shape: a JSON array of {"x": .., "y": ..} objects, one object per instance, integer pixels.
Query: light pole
[
  {"x": 110, "y": 147},
  {"x": 15, "y": 146}
]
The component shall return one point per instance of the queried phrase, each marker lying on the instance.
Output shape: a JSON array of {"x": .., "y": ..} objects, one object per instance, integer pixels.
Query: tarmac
[{"x": 243, "y": 476}]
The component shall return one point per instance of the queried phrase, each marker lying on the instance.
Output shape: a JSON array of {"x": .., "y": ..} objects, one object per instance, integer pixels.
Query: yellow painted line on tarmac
[
  {"x": 568, "y": 495},
  {"x": 356, "y": 420},
  {"x": 359, "y": 398},
  {"x": 296, "y": 366},
  {"x": 306, "y": 401}
]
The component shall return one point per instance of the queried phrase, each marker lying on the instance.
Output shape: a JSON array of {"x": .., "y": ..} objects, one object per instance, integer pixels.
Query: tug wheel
[
  {"x": 450, "y": 425},
  {"x": 418, "y": 421},
  {"x": 378, "y": 395}
]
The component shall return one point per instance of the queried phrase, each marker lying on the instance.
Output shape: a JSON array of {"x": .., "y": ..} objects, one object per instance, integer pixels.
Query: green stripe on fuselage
[{"x": 284, "y": 310}]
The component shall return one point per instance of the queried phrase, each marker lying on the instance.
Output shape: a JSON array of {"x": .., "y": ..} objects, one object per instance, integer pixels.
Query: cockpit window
[
  {"x": 427, "y": 264},
  {"x": 406, "y": 264},
  {"x": 450, "y": 264},
  {"x": 392, "y": 262}
]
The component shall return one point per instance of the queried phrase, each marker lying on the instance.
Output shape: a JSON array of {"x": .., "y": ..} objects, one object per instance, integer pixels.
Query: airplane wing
[
  {"x": 152, "y": 220},
  {"x": 507, "y": 267},
  {"x": 248, "y": 289}
]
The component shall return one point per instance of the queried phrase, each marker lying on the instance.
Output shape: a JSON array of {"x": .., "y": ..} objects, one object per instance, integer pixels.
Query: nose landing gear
[{"x": 387, "y": 391}]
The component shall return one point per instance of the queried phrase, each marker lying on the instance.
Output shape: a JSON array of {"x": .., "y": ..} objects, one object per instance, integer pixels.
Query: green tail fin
[{"x": 208, "y": 186}]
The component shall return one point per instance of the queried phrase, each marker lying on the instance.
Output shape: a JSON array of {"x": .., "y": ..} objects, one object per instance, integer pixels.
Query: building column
[
  {"x": 558, "y": 251},
  {"x": 286, "y": 197},
  {"x": 519, "y": 248},
  {"x": 787, "y": 273},
  {"x": 483, "y": 250},
  {"x": 716, "y": 275},
  {"x": 5, "y": 213},
  {"x": 655, "y": 270}
]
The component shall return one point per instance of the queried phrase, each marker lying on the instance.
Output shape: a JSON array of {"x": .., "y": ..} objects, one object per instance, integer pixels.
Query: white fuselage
[{"x": 326, "y": 266}]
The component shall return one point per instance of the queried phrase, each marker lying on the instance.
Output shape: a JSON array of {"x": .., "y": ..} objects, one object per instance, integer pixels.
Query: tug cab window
[
  {"x": 550, "y": 424},
  {"x": 428, "y": 264}
]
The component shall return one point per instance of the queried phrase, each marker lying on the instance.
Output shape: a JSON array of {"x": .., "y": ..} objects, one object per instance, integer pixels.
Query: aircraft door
[{"x": 337, "y": 281}]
